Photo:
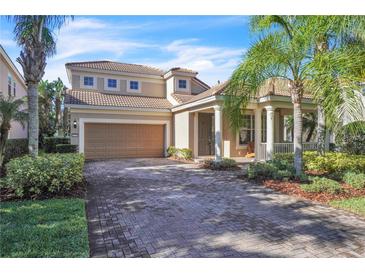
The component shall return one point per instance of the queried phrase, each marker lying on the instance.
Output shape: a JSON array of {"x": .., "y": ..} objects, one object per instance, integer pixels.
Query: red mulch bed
[{"x": 293, "y": 188}]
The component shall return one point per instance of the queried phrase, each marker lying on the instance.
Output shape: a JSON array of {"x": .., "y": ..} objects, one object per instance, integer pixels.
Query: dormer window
[
  {"x": 88, "y": 81},
  {"x": 112, "y": 83},
  {"x": 182, "y": 84},
  {"x": 134, "y": 85}
]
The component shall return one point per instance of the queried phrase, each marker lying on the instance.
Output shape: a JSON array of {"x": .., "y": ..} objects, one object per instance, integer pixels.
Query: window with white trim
[
  {"x": 134, "y": 85},
  {"x": 246, "y": 133},
  {"x": 112, "y": 83},
  {"x": 88, "y": 81},
  {"x": 182, "y": 84},
  {"x": 14, "y": 89}
]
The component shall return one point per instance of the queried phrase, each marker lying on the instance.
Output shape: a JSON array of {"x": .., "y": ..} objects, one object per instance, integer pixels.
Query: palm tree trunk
[
  {"x": 58, "y": 114},
  {"x": 33, "y": 124},
  {"x": 310, "y": 134},
  {"x": 298, "y": 147},
  {"x": 4, "y": 134},
  {"x": 296, "y": 95},
  {"x": 321, "y": 131}
]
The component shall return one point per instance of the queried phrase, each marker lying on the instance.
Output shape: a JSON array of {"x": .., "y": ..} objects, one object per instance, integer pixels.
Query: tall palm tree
[
  {"x": 10, "y": 110},
  {"x": 34, "y": 33},
  {"x": 58, "y": 88},
  {"x": 337, "y": 62},
  {"x": 279, "y": 52}
]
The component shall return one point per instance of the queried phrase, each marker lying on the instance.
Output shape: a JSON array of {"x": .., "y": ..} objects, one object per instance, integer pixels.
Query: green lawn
[
  {"x": 356, "y": 205},
  {"x": 48, "y": 228}
]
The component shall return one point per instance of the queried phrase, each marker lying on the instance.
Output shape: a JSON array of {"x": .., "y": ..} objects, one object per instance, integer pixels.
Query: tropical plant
[
  {"x": 10, "y": 110},
  {"x": 34, "y": 33},
  {"x": 337, "y": 67},
  {"x": 309, "y": 125},
  {"x": 279, "y": 52},
  {"x": 46, "y": 113},
  {"x": 58, "y": 89}
]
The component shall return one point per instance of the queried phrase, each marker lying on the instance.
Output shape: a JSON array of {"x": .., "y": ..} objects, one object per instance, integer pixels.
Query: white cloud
[{"x": 212, "y": 63}]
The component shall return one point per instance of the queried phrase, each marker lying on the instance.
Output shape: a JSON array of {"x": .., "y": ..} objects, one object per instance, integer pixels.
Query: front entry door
[{"x": 206, "y": 134}]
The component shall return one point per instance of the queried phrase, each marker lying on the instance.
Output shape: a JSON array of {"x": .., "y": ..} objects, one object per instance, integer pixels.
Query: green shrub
[
  {"x": 185, "y": 153},
  {"x": 225, "y": 164},
  {"x": 331, "y": 162},
  {"x": 356, "y": 180},
  {"x": 275, "y": 169},
  {"x": 351, "y": 138},
  {"x": 15, "y": 148},
  {"x": 51, "y": 174},
  {"x": 181, "y": 153},
  {"x": 66, "y": 148},
  {"x": 171, "y": 151},
  {"x": 51, "y": 142},
  {"x": 321, "y": 184}
]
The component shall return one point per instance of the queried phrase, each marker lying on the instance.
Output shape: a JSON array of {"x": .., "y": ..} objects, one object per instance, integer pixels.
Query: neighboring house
[
  {"x": 125, "y": 110},
  {"x": 12, "y": 84}
]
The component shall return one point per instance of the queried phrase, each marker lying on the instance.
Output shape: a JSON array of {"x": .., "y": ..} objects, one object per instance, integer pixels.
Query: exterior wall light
[{"x": 75, "y": 123}]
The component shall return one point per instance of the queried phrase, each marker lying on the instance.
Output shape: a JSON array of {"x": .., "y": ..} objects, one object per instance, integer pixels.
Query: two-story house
[
  {"x": 12, "y": 84},
  {"x": 126, "y": 110}
]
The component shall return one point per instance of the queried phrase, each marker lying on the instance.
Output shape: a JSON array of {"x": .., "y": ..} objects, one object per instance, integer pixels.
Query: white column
[
  {"x": 258, "y": 113},
  {"x": 270, "y": 131},
  {"x": 196, "y": 133},
  {"x": 218, "y": 132}
]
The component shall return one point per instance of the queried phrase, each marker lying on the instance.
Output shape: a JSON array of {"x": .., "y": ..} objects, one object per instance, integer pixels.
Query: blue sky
[{"x": 212, "y": 45}]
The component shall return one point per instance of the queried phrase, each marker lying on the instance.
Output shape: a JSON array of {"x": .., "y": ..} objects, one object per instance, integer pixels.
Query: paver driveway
[{"x": 160, "y": 208}]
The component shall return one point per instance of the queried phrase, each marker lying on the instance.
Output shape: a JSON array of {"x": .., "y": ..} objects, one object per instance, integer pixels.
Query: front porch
[{"x": 265, "y": 131}]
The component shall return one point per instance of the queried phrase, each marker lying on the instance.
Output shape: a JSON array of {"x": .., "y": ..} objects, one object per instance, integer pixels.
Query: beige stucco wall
[
  {"x": 149, "y": 87},
  {"x": 76, "y": 114},
  {"x": 182, "y": 123},
  {"x": 16, "y": 131}
]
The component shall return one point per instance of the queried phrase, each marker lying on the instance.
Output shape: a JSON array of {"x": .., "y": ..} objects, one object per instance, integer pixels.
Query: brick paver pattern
[{"x": 161, "y": 208}]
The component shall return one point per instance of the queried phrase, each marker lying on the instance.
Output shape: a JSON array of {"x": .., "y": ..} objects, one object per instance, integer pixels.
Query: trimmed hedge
[
  {"x": 15, "y": 148},
  {"x": 50, "y": 143},
  {"x": 46, "y": 175},
  {"x": 225, "y": 164},
  {"x": 275, "y": 169},
  {"x": 331, "y": 162},
  {"x": 66, "y": 148},
  {"x": 180, "y": 153}
]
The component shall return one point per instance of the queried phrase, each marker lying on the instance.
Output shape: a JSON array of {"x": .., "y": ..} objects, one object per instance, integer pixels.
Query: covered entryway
[{"x": 111, "y": 140}]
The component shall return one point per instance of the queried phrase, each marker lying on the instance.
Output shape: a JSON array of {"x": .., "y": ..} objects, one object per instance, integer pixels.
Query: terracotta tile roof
[
  {"x": 215, "y": 90},
  {"x": 182, "y": 98},
  {"x": 95, "y": 98},
  {"x": 182, "y": 70},
  {"x": 116, "y": 66},
  {"x": 278, "y": 86}
]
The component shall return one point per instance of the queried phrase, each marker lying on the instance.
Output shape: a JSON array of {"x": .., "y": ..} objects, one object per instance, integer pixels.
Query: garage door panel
[{"x": 107, "y": 141}]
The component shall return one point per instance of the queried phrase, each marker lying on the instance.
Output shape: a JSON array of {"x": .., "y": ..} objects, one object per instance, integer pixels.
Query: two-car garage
[{"x": 111, "y": 140}]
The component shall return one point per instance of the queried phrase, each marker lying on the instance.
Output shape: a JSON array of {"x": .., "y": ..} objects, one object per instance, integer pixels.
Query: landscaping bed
[
  {"x": 336, "y": 179},
  {"x": 47, "y": 228}
]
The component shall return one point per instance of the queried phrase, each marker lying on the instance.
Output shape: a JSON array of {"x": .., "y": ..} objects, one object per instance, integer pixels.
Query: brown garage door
[{"x": 103, "y": 141}]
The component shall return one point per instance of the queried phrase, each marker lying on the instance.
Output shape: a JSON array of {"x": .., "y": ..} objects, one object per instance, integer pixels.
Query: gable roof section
[
  {"x": 118, "y": 67},
  {"x": 182, "y": 98},
  {"x": 95, "y": 98}
]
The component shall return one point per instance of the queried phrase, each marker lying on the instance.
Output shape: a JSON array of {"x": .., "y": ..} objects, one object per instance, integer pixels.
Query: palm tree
[
  {"x": 34, "y": 33},
  {"x": 58, "y": 88},
  {"x": 336, "y": 62},
  {"x": 280, "y": 52},
  {"x": 10, "y": 110},
  {"x": 46, "y": 112},
  {"x": 309, "y": 124}
]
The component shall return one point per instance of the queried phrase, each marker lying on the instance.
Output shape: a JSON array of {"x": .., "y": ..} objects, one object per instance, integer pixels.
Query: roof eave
[{"x": 143, "y": 109}]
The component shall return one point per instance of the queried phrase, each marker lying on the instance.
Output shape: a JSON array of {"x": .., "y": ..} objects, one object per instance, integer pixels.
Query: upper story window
[
  {"x": 133, "y": 85},
  {"x": 246, "y": 133},
  {"x": 9, "y": 84},
  {"x": 112, "y": 83},
  {"x": 182, "y": 84},
  {"x": 88, "y": 81}
]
